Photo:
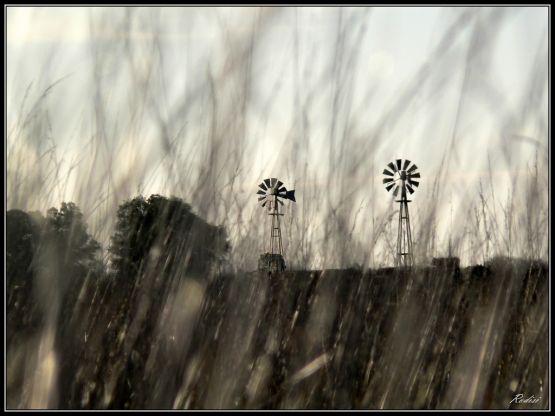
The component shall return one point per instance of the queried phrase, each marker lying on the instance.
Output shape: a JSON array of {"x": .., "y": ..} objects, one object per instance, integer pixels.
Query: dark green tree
[
  {"x": 49, "y": 262},
  {"x": 65, "y": 236},
  {"x": 45, "y": 255},
  {"x": 157, "y": 243},
  {"x": 21, "y": 240},
  {"x": 147, "y": 228}
]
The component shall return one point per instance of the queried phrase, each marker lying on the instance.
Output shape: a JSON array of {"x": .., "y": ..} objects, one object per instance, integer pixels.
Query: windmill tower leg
[
  {"x": 276, "y": 248},
  {"x": 399, "y": 258},
  {"x": 275, "y": 234},
  {"x": 409, "y": 256},
  {"x": 404, "y": 237},
  {"x": 273, "y": 231}
]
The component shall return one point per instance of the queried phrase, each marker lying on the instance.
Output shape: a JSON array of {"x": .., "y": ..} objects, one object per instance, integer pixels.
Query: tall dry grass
[{"x": 204, "y": 103}]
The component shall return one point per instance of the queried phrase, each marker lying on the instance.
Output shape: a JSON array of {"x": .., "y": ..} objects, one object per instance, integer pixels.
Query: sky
[{"x": 104, "y": 104}]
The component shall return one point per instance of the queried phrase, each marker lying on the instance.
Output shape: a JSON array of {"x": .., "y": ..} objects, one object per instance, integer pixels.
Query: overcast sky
[{"x": 322, "y": 98}]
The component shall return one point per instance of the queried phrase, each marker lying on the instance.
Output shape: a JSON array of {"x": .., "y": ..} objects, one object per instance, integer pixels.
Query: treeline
[{"x": 59, "y": 287}]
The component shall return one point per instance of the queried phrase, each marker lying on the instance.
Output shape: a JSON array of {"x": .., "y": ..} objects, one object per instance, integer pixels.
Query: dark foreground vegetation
[{"x": 161, "y": 324}]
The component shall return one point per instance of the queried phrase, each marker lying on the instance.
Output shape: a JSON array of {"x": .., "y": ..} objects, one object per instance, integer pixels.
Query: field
[{"x": 175, "y": 337}]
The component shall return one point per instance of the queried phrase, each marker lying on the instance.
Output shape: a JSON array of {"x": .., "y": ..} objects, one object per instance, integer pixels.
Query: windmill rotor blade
[
  {"x": 273, "y": 181},
  {"x": 414, "y": 183},
  {"x": 267, "y": 182},
  {"x": 392, "y": 167},
  {"x": 388, "y": 173},
  {"x": 290, "y": 195},
  {"x": 260, "y": 192},
  {"x": 264, "y": 204},
  {"x": 414, "y": 175},
  {"x": 388, "y": 187},
  {"x": 412, "y": 168},
  {"x": 279, "y": 183},
  {"x": 410, "y": 188},
  {"x": 396, "y": 191},
  {"x": 261, "y": 198},
  {"x": 263, "y": 186},
  {"x": 406, "y": 164},
  {"x": 282, "y": 190},
  {"x": 387, "y": 180},
  {"x": 399, "y": 161},
  {"x": 279, "y": 200}
]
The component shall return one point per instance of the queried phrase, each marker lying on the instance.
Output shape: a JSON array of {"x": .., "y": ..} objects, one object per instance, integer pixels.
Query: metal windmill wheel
[{"x": 401, "y": 175}]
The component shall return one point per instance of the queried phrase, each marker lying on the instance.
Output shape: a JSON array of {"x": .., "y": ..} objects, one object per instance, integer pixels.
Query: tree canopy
[{"x": 145, "y": 229}]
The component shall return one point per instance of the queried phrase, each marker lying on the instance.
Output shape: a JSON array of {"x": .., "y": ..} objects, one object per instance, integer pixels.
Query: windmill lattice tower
[
  {"x": 401, "y": 177},
  {"x": 271, "y": 190}
]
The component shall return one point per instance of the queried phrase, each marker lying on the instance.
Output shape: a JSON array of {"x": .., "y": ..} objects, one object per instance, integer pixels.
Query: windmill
[
  {"x": 400, "y": 177},
  {"x": 270, "y": 192}
]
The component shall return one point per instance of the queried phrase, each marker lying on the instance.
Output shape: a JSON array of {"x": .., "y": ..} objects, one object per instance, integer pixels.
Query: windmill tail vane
[
  {"x": 401, "y": 176},
  {"x": 271, "y": 192}
]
